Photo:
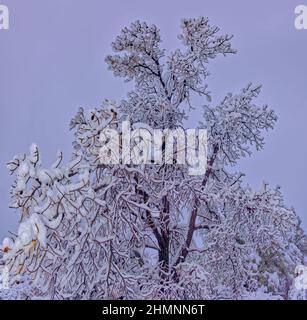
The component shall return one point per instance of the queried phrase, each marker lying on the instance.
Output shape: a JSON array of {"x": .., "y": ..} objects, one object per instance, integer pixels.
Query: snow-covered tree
[{"x": 90, "y": 230}]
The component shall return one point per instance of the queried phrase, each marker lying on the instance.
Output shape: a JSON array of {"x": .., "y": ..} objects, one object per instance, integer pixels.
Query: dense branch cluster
[{"x": 95, "y": 231}]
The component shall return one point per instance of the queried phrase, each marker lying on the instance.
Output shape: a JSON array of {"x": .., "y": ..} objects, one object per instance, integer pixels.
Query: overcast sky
[{"x": 52, "y": 62}]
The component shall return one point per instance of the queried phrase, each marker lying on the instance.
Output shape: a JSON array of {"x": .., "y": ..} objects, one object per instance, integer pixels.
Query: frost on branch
[
  {"x": 237, "y": 124},
  {"x": 90, "y": 230},
  {"x": 165, "y": 82}
]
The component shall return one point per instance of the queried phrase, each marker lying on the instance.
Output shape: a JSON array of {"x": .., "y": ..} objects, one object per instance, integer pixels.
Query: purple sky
[{"x": 52, "y": 62}]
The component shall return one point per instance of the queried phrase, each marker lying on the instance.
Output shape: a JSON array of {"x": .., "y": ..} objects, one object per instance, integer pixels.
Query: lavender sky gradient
[{"x": 52, "y": 62}]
